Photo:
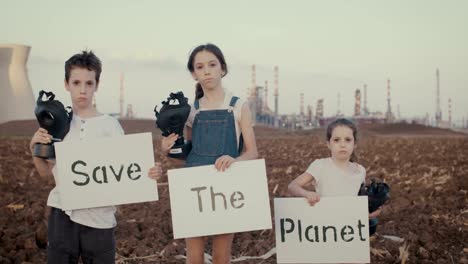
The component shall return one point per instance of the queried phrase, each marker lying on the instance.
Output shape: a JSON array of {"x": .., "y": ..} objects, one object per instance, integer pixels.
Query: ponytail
[{"x": 198, "y": 91}]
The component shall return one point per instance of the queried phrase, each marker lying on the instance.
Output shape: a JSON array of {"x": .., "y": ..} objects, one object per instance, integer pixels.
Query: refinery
[{"x": 16, "y": 93}]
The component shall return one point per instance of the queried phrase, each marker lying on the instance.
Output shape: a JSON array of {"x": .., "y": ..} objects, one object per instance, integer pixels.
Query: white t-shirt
[
  {"x": 83, "y": 129},
  {"x": 334, "y": 181},
  {"x": 227, "y": 99}
]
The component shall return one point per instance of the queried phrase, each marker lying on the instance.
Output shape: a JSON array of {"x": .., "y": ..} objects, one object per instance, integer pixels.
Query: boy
[{"x": 86, "y": 233}]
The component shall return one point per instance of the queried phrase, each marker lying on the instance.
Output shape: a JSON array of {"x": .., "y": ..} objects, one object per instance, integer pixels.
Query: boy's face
[{"x": 81, "y": 85}]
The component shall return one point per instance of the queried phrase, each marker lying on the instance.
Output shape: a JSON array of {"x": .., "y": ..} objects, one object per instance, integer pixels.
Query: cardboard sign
[
  {"x": 106, "y": 171},
  {"x": 207, "y": 202},
  {"x": 335, "y": 230}
]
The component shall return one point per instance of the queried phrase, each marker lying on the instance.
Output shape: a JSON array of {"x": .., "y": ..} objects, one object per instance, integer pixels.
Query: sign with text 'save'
[
  {"x": 105, "y": 171},
  {"x": 207, "y": 202},
  {"x": 334, "y": 230}
]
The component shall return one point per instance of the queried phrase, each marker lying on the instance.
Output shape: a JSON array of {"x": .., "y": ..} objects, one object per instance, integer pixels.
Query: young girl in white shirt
[{"x": 338, "y": 175}]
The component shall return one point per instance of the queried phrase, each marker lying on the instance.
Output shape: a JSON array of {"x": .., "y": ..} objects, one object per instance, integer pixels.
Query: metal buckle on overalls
[{"x": 230, "y": 109}]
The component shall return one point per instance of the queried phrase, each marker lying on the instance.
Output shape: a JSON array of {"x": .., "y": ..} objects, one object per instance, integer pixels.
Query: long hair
[
  {"x": 347, "y": 123},
  {"x": 215, "y": 51}
]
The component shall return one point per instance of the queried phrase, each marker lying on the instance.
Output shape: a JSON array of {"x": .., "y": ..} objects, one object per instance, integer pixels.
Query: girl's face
[
  {"x": 207, "y": 70},
  {"x": 341, "y": 143}
]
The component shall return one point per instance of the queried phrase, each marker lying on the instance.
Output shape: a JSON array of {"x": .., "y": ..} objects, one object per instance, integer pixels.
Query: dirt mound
[{"x": 425, "y": 220}]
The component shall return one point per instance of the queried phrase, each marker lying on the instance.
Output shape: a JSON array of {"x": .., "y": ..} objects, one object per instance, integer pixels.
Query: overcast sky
[{"x": 322, "y": 48}]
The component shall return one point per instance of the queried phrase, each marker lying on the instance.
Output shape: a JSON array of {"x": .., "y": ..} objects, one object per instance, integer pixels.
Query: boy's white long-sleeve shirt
[{"x": 84, "y": 129}]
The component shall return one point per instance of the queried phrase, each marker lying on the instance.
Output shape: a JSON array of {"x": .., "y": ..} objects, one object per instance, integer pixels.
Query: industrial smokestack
[
  {"x": 302, "y": 104},
  {"x": 357, "y": 105},
  {"x": 309, "y": 113},
  {"x": 438, "y": 114},
  {"x": 389, "y": 114},
  {"x": 366, "y": 110},
  {"x": 450, "y": 112},
  {"x": 276, "y": 124},
  {"x": 276, "y": 90},
  {"x": 254, "y": 82},
  {"x": 319, "y": 110}
]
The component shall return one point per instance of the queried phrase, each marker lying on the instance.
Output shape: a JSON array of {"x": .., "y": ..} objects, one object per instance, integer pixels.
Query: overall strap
[
  {"x": 241, "y": 138},
  {"x": 196, "y": 104},
  {"x": 232, "y": 103}
]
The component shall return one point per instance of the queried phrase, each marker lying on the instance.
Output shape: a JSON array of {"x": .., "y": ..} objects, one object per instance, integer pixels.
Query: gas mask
[
  {"x": 171, "y": 119},
  {"x": 53, "y": 117},
  {"x": 378, "y": 193}
]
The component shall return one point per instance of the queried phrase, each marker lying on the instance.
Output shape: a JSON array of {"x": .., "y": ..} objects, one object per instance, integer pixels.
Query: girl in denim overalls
[{"x": 215, "y": 124}]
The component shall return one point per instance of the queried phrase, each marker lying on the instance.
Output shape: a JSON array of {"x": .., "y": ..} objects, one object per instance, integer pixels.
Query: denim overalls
[{"x": 213, "y": 135}]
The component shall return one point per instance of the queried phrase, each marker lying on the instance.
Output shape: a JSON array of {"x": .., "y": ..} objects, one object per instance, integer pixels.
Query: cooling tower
[{"x": 16, "y": 96}]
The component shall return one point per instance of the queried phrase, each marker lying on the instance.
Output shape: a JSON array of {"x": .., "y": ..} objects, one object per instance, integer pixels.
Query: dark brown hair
[{"x": 85, "y": 59}]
